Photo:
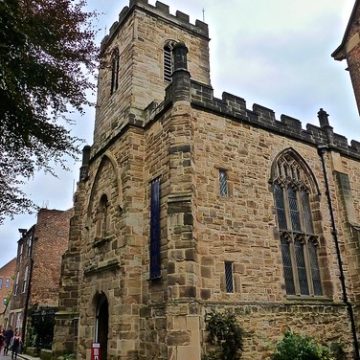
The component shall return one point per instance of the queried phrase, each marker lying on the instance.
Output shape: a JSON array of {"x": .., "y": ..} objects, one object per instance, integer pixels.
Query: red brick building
[
  {"x": 38, "y": 266},
  {"x": 7, "y": 273},
  {"x": 349, "y": 50}
]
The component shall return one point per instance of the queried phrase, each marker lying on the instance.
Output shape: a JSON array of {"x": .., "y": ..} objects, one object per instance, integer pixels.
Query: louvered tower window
[
  {"x": 168, "y": 62},
  {"x": 293, "y": 186},
  {"x": 115, "y": 64}
]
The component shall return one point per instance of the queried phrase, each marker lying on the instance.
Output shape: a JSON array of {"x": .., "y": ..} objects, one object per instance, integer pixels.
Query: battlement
[
  {"x": 159, "y": 10},
  {"x": 234, "y": 107}
]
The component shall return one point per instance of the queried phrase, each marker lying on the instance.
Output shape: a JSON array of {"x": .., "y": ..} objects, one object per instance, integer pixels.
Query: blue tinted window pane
[{"x": 155, "y": 262}]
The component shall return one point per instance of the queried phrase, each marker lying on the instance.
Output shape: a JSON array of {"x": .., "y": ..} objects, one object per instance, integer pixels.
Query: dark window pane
[
  {"x": 287, "y": 264},
  {"x": 294, "y": 211},
  {"x": 315, "y": 271},
  {"x": 279, "y": 204},
  {"x": 300, "y": 263},
  {"x": 114, "y": 71},
  {"x": 307, "y": 212},
  {"x": 155, "y": 262},
  {"x": 229, "y": 277},
  {"x": 223, "y": 183}
]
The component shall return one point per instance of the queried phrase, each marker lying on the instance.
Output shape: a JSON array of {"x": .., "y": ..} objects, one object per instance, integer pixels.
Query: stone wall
[{"x": 183, "y": 136}]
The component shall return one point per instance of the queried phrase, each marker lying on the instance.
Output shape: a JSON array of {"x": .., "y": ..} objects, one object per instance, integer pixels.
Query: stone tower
[{"x": 188, "y": 203}]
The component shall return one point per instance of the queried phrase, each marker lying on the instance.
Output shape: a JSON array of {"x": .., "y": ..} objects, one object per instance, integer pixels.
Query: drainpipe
[
  {"x": 29, "y": 280},
  {"x": 321, "y": 151}
]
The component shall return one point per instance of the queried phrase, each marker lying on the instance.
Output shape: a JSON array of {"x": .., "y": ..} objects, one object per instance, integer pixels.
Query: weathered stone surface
[{"x": 184, "y": 141}]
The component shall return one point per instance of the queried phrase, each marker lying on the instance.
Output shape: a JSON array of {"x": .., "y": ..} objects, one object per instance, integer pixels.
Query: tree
[{"x": 47, "y": 51}]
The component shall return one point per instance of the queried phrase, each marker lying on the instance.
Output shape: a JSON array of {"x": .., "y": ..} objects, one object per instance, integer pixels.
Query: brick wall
[
  {"x": 50, "y": 242},
  {"x": 7, "y": 274}
]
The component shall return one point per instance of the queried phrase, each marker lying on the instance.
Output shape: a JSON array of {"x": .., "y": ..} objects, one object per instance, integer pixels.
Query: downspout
[
  {"x": 27, "y": 302},
  {"x": 28, "y": 290},
  {"x": 321, "y": 151}
]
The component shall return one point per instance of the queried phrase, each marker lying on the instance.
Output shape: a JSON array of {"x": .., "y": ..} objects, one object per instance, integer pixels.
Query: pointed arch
[
  {"x": 107, "y": 157},
  {"x": 289, "y": 164},
  {"x": 101, "y": 307},
  {"x": 296, "y": 201}
]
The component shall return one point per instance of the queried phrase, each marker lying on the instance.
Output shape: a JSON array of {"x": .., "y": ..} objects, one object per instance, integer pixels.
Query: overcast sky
[{"x": 276, "y": 53}]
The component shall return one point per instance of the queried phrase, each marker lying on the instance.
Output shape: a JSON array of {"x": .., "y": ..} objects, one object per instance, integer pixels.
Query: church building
[{"x": 189, "y": 203}]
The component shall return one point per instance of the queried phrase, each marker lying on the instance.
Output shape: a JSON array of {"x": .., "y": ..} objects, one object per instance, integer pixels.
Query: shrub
[
  {"x": 225, "y": 335},
  {"x": 298, "y": 347}
]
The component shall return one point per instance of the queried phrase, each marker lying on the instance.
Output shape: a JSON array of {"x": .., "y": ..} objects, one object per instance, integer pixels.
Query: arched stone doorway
[{"x": 102, "y": 324}]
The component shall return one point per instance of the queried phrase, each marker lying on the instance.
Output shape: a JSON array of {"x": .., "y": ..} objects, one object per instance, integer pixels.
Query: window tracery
[{"x": 293, "y": 186}]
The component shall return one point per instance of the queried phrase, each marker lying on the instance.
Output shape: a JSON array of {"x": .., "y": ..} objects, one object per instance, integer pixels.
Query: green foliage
[
  {"x": 225, "y": 335},
  {"x": 299, "y": 347},
  {"x": 47, "y": 52},
  {"x": 67, "y": 357}
]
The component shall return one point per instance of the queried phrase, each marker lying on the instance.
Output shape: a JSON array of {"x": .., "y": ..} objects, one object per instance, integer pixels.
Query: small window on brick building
[
  {"x": 229, "y": 277},
  {"x": 29, "y": 246},
  {"x": 115, "y": 64},
  {"x": 21, "y": 252},
  {"x": 1, "y": 283},
  {"x": 25, "y": 279},
  {"x": 16, "y": 284},
  {"x": 7, "y": 283},
  {"x": 223, "y": 183},
  {"x": 155, "y": 260}
]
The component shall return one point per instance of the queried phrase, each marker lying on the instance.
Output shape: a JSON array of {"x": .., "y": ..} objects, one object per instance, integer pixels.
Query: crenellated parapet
[
  {"x": 234, "y": 107},
  {"x": 161, "y": 10}
]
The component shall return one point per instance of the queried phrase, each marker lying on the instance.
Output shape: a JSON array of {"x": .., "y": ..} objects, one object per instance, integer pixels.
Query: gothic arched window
[
  {"x": 293, "y": 188},
  {"x": 115, "y": 63}
]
